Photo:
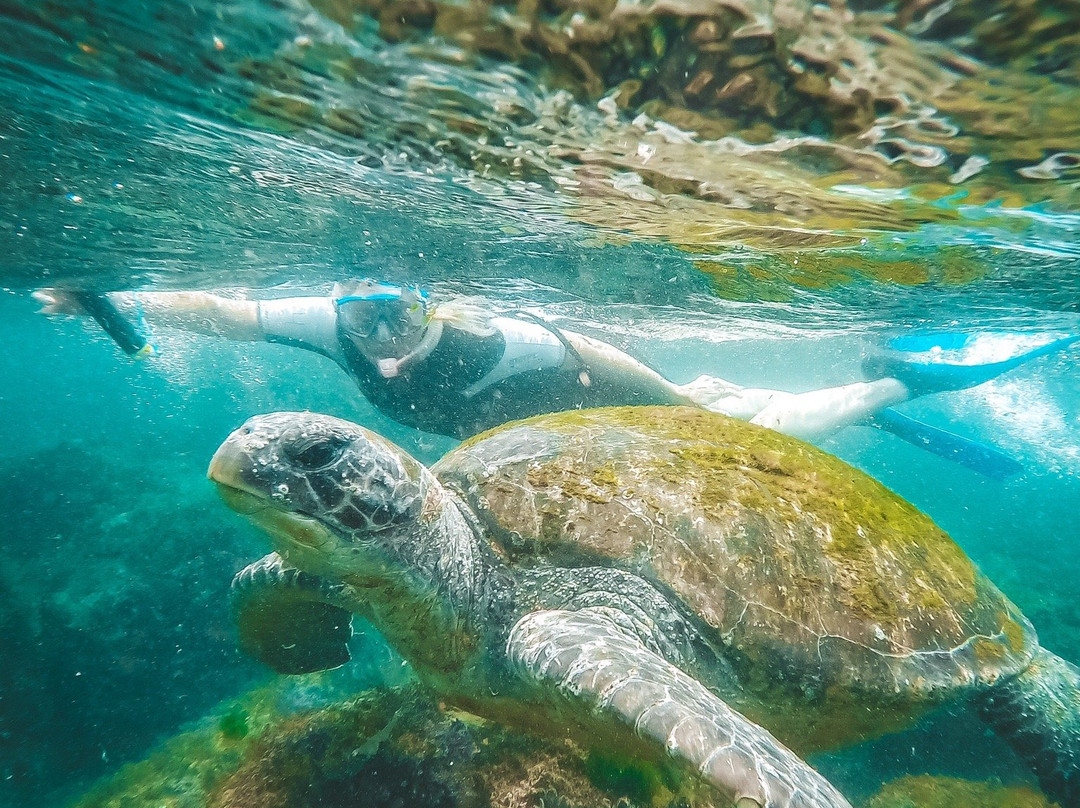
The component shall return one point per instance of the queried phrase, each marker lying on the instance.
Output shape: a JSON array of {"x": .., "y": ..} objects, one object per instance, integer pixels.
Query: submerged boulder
[
  {"x": 382, "y": 748},
  {"x": 300, "y": 743},
  {"x": 927, "y": 791},
  {"x": 791, "y": 125}
]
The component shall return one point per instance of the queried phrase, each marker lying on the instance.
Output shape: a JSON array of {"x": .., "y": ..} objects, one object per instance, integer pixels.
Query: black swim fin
[{"x": 125, "y": 334}]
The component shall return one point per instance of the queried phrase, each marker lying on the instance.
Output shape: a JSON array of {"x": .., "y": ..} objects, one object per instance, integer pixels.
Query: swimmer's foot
[{"x": 923, "y": 364}]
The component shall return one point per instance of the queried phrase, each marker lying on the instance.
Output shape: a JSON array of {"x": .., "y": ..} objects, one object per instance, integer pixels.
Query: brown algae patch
[{"x": 562, "y": 475}]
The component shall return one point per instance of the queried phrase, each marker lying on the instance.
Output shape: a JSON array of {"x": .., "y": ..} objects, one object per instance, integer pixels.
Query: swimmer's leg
[
  {"x": 819, "y": 413},
  {"x": 719, "y": 395}
]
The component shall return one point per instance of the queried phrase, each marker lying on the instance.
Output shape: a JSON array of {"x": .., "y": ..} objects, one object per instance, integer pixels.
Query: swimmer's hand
[
  {"x": 197, "y": 312},
  {"x": 57, "y": 301}
]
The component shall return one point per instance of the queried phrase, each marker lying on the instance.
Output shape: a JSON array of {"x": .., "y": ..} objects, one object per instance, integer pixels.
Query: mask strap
[{"x": 376, "y": 296}]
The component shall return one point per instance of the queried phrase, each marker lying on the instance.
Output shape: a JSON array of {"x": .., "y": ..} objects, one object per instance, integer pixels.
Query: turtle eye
[{"x": 317, "y": 453}]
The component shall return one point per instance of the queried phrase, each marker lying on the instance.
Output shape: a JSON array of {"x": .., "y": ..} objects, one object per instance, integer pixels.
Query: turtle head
[{"x": 335, "y": 498}]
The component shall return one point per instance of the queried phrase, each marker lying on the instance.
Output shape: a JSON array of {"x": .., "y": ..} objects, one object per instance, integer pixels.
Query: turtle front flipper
[
  {"x": 289, "y": 620},
  {"x": 1038, "y": 714},
  {"x": 595, "y": 666}
]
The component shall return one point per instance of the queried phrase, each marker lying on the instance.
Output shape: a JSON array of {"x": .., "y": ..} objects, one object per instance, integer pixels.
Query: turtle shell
[{"x": 820, "y": 586}]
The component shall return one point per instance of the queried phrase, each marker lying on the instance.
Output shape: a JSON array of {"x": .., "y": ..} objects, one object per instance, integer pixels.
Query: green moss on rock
[
  {"x": 926, "y": 791},
  {"x": 382, "y": 748},
  {"x": 183, "y": 770}
]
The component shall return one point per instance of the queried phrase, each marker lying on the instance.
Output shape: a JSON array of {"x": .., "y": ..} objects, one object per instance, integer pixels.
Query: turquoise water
[{"x": 133, "y": 156}]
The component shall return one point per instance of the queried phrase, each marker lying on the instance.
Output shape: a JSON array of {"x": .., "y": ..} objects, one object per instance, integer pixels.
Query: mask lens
[
  {"x": 405, "y": 319},
  {"x": 362, "y": 317}
]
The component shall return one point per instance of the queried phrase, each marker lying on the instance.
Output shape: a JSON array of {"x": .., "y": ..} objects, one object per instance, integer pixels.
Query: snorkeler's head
[{"x": 383, "y": 319}]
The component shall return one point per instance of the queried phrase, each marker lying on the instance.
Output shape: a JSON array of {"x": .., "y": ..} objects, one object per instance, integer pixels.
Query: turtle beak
[
  {"x": 224, "y": 464},
  {"x": 227, "y": 471},
  {"x": 240, "y": 501}
]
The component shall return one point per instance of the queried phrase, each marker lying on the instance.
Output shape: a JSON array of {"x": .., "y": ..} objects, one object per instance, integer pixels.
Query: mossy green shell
[{"x": 820, "y": 585}]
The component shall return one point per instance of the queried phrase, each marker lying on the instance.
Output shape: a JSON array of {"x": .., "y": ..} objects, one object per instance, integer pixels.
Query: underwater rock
[
  {"x": 927, "y": 791},
  {"x": 720, "y": 121},
  {"x": 385, "y": 747},
  {"x": 395, "y": 747},
  {"x": 784, "y": 126},
  {"x": 813, "y": 67},
  {"x": 1043, "y": 35},
  {"x": 758, "y": 69}
]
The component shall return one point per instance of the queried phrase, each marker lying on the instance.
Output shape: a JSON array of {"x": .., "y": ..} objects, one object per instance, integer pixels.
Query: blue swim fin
[
  {"x": 917, "y": 361},
  {"x": 979, "y": 457}
]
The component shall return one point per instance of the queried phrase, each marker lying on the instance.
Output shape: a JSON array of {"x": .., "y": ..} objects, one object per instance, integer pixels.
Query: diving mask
[{"x": 401, "y": 309}]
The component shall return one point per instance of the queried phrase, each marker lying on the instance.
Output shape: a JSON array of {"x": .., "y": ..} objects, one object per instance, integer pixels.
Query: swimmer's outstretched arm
[{"x": 198, "y": 312}]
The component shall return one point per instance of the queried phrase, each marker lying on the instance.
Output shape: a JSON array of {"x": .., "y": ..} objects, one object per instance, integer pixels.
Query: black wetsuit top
[{"x": 433, "y": 393}]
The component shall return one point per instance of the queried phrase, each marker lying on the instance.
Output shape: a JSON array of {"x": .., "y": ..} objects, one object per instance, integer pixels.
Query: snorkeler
[{"x": 456, "y": 370}]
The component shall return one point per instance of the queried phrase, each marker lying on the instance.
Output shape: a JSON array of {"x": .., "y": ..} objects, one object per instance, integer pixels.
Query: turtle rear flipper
[
  {"x": 1038, "y": 714},
  {"x": 289, "y": 620},
  {"x": 593, "y": 664}
]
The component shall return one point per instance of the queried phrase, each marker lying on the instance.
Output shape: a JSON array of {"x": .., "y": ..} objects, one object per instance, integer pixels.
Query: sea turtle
[{"x": 662, "y": 580}]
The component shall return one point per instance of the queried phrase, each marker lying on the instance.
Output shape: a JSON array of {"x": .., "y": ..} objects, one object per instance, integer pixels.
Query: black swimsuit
[
  {"x": 469, "y": 382},
  {"x": 431, "y": 393}
]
